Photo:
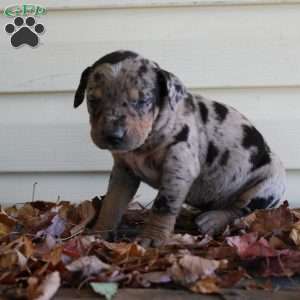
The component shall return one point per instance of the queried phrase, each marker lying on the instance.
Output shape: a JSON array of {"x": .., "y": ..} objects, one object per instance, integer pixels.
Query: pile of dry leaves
[{"x": 44, "y": 246}]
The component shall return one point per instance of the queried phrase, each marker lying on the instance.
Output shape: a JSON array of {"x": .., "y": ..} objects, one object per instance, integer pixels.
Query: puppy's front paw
[
  {"x": 158, "y": 230},
  {"x": 151, "y": 242},
  {"x": 214, "y": 222}
]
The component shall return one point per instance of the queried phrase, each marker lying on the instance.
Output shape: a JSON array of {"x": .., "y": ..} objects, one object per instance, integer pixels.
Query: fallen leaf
[
  {"x": 277, "y": 243},
  {"x": 54, "y": 256},
  {"x": 275, "y": 220},
  {"x": 296, "y": 212},
  {"x": 28, "y": 247},
  {"x": 88, "y": 265},
  {"x": 263, "y": 243},
  {"x": 7, "y": 223},
  {"x": 4, "y": 229},
  {"x": 6, "y": 219},
  {"x": 242, "y": 243},
  {"x": 46, "y": 289},
  {"x": 295, "y": 233},
  {"x": 182, "y": 239},
  {"x": 42, "y": 206},
  {"x": 206, "y": 285},
  {"x": 188, "y": 269},
  {"x": 121, "y": 251},
  {"x": 248, "y": 247},
  {"x": 231, "y": 278},
  {"x": 157, "y": 277},
  {"x": 86, "y": 213},
  {"x": 56, "y": 228},
  {"x": 108, "y": 290},
  {"x": 286, "y": 263},
  {"x": 11, "y": 260}
]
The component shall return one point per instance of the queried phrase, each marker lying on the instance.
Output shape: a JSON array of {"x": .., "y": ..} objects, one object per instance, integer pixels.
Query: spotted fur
[{"x": 190, "y": 148}]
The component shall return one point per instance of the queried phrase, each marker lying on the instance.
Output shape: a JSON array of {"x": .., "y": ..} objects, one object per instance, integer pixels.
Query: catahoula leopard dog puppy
[{"x": 190, "y": 148}]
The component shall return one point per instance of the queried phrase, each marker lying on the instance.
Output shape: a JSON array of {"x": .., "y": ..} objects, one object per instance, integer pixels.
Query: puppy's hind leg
[
  {"x": 267, "y": 193},
  {"x": 215, "y": 221}
]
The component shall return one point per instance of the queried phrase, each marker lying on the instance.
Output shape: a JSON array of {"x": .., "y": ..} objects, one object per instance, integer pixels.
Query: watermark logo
[{"x": 24, "y": 30}]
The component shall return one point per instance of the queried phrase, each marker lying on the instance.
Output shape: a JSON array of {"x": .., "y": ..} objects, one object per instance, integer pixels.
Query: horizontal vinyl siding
[
  {"x": 92, "y": 4},
  {"x": 208, "y": 47},
  {"x": 48, "y": 135},
  {"x": 244, "y": 55},
  {"x": 85, "y": 185}
]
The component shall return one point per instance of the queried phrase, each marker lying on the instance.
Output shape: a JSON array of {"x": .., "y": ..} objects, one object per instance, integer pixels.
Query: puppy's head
[{"x": 124, "y": 93}]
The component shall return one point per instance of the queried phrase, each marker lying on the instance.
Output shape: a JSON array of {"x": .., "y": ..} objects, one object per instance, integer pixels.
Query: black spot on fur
[
  {"x": 261, "y": 203},
  {"x": 167, "y": 83},
  {"x": 212, "y": 153},
  {"x": 224, "y": 158},
  {"x": 175, "y": 157},
  {"x": 161, "y": 89},
  {"x": 97, "y": 76},
  {"x": 115, "y": 57},
  {"x": 178, "y": 88},
  {"x": 221, "y": 111},
  {"x": 261, "y": 155},
  {"x": 189, "y": 104},
  {"x": 203, "y": 112},
  {"x": 142, "y": 70},
  {"x": 183, "y": 134},
  {"x": 274, "y": 203},
  {"x": 163, "y": 205}
]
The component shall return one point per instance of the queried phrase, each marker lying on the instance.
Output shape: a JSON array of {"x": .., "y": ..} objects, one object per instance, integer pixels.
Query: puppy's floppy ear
[
  {"x": 79, "y": 95},
  {"x": 170, "y": 86}
]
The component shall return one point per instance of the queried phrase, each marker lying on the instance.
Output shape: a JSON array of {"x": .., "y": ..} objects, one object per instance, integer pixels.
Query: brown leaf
[
  {"x": 230, "y": 279},
  {"x": 248, "y": 246},
  {"x": 121, "y": 251},
  {"x": 4, "y": 229},
  {"x": 54, "y": 256},
  {"x": 296, "y": 213},
  {"x": 6, "y": 219},
  {"x": 46, "y": 289},
  {"x": 188, "y": 269},
  {"x": 287, "y": 263},
  {"x": 188, "y": 239},
  {"x": 277, "y": 243},
  {"x": 207, "y": 285},
  {"x": 42, "y": 206},
  {"x": 157, "y": 277},
  {"x": 86, "y": 213},
  {"x": 28, "y": 215},
  {"x": 182, "y": 239},
  {"x": 7, "y": 223},
  {"x": 242, "y": 243},
  {"x": 295, "y": 233},
  {"x": 28, "y": 247},
  {"x": 274, "y": 221},
  {"x": 9, "y": 260},
  {"x": 88, "y": 265}
]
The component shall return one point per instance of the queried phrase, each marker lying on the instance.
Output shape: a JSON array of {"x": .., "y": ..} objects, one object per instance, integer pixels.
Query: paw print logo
[{"x": 24, "y": 32}]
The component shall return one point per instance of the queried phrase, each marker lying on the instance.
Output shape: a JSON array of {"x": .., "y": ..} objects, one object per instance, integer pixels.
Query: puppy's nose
[{"x": 115, "y": 136}]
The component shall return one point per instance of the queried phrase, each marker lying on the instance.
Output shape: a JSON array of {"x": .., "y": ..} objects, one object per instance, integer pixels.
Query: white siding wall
[{"x": 243, "y": 52}]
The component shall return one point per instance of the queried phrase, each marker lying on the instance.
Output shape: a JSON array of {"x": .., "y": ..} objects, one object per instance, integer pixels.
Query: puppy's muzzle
[{"x": 115, "y": 136}]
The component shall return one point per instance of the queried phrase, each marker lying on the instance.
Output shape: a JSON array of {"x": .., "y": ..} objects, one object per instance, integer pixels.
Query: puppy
[{"x": 191, "y": 149}]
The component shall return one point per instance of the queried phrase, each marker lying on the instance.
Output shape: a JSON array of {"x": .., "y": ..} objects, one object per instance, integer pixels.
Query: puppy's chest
[{"x": 148, "y": 167}]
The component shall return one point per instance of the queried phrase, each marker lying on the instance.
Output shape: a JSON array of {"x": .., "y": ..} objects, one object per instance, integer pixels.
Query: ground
[{"x": 291, "y": 293}]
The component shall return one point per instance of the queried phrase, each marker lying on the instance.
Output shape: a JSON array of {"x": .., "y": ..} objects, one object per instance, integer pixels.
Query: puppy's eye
[
  {"x": 93, "y": 104},
  {"x": 140, "y": 103}
]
